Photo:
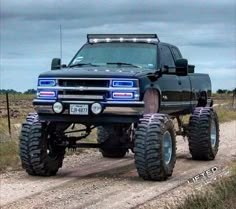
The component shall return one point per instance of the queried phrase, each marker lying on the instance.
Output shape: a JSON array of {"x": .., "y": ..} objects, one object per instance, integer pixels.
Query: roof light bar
[{"x": 95, "y": 38}]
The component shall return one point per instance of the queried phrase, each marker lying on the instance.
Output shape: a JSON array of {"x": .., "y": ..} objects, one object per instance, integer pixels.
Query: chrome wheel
[
  {"x": 167, "y": 147},
  {"x": 213, "y": 133}
]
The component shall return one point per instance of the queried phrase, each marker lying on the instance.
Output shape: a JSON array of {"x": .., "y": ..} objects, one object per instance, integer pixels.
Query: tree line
[
  {"x": 226, "y": 91},
  {"x": 12, "y": 91}
]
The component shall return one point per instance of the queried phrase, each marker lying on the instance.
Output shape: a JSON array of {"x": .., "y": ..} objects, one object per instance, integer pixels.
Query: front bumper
[{"x": 113, "y": 111}]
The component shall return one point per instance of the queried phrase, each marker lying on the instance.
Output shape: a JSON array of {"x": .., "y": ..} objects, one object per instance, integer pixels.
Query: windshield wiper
[
  {"x": 122, "y": 63},
  {"x": 83, "y": 64}
]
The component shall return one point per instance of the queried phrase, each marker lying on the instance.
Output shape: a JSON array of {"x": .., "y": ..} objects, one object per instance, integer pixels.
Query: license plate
[{"x": 79, "y": 109}]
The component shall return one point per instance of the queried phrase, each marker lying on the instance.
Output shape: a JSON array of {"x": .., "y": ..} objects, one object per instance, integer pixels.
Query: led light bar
[
  {"x": 117, "y": 83},
  {"x": 90, "y": 36},
  {"x": 122, "y": 40},
  {"x": 46, "y": 82},
  {"x": 96, "y": 38},
  {"x": 122, "y": 95}
]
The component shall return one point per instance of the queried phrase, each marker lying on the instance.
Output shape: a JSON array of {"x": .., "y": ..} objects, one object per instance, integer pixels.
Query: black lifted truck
[{"x": 135, "y": 90}]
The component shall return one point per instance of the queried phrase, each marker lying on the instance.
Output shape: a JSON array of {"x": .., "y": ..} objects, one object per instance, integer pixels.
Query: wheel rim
[
  {"x": 167, "y": 147},
  {"x": 213, "y": 133},
  {"x": 51, "y": 153},
  {"x": 51, "y": 149}
]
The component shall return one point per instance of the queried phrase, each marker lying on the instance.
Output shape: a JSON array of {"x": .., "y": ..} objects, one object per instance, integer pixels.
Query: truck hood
[{"x": 96, "y": 72}]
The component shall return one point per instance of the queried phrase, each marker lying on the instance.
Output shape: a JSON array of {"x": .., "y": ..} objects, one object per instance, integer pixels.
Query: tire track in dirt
[
  {"x": 95, "y": 182},
  {"x": 31, "y": 185}
]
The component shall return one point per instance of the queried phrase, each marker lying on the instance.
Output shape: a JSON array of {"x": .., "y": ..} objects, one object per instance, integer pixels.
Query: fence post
[
  {"x": 8, "y": 114},
  {"x": 234, "y": 100}
]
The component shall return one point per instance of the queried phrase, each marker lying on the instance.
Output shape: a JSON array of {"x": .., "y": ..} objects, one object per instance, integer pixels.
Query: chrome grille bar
[{"x": 95, "y": 97}]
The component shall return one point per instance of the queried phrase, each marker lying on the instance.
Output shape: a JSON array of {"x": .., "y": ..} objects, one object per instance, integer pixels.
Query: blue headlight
[
  {"x": 124, "y": 83},
  {"x": 46, "y": 82}
]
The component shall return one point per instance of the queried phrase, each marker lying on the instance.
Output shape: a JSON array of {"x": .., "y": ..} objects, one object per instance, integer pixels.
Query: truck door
[
  {"x": 184, "y": 81},
  {"x": 169, "y": 83}
]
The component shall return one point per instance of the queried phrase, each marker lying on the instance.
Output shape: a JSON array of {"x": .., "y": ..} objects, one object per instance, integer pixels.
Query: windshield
[{"x": 117, "y": 54}]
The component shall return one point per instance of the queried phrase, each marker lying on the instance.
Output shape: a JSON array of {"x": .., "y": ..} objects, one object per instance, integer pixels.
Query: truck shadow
[
  {"x": 122, "y": 169},
  {"x": 185, "y": 156},
  {"x": 100, "y": 167}
]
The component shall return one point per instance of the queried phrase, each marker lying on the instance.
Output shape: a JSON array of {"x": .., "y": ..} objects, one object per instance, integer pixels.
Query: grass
[
  {"x": 225, "y": 113},
  {"x": 4, "y": 126},
  {"x": 220, "y": 195},
  {"x": 9, "y": 157}
]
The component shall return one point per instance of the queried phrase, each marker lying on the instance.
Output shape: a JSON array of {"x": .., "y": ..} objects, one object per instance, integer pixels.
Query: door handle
[{"x": 179, "y": 82}]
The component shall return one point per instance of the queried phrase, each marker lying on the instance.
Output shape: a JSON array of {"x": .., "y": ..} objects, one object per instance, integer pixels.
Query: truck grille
[
  {"x": 83, "y": 95},
  {"x": 83, "y": 89},
  {"x": 87, "y": 83}
]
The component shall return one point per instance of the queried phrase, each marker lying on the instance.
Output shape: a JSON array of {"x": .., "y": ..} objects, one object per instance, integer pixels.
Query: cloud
[
  {"x": 205, "y": 31},
  {"x": 121, "y": 11}
]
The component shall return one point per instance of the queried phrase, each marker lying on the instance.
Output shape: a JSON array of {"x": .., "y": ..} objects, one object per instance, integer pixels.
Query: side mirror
[
  {"x": 181, "y": 67},
  {"x": 56, "y": 64}
]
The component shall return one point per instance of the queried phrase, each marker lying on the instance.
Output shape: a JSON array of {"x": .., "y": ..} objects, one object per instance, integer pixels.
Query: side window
[
  {"x": 166, "y": 57},
  {"x": 176, "y": 53}
]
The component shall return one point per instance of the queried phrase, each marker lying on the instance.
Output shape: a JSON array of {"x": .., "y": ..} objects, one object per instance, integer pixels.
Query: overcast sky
[{"x": 205, "y": 32}]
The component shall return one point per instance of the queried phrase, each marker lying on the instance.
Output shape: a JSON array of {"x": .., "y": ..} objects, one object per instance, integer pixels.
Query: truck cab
[{"x": 122, "y": 75}]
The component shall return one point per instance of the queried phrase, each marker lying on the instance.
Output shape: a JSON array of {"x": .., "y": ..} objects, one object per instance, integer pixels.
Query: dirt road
[{"x": 90, "y": 181}]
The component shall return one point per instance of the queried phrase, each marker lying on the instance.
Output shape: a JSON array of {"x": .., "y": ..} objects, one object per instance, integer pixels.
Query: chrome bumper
[{"x": 110, "y": 107}]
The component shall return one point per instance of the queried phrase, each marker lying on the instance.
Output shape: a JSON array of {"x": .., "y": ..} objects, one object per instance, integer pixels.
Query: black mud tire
[
  {"x": 35, "y": 156},
  {"x": 111, "y": 140},
  {"x": 199, "y": 136},
  {"x": 149, "y": 147},
  {"x": 23, "y": 145}
]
